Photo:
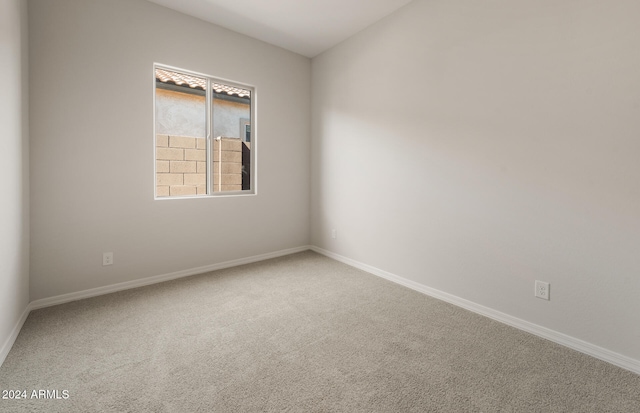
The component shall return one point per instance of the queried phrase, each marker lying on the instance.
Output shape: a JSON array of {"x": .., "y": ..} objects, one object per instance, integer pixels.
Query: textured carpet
[{"x": 297, "y": 333}]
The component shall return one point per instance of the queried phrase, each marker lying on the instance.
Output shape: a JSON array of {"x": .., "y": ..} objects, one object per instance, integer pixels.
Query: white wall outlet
[
  {"x": 334, "y": 233},
  {"x": 542, "y": 290},
  {"x": 107, "y": 258}
]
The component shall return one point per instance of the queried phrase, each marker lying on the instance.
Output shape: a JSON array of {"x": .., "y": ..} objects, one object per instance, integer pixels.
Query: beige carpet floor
[{"x": 301, "y": 333}]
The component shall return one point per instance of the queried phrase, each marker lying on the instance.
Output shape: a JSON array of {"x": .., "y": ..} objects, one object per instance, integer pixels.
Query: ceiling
[{"x": 307, "y": 27}]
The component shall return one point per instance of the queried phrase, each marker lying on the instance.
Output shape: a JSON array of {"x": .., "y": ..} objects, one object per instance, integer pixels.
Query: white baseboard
[
  {"x": 93, "y": 292},
  {"x": 551, "y": 335},
  {"x": 8, "y": 343}
]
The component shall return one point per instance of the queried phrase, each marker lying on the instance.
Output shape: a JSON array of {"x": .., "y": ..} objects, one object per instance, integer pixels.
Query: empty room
[{"x": 340, "y": 206}]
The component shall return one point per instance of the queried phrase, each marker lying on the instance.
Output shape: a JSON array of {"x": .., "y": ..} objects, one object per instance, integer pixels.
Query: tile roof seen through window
[{"x": 194, "y": 82}]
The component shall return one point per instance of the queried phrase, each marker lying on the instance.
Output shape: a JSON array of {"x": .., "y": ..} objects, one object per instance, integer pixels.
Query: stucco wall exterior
[{"x": 184, "y": 114}]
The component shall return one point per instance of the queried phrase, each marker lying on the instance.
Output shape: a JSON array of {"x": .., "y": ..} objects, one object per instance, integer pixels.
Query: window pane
[
  {"x": 231, "y": 119},
  {"x": 181, "y": 130}
]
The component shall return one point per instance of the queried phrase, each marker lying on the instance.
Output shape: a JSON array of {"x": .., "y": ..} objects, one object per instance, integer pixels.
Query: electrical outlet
[
  {"x": 542, "y": 290},
  {"x": 334, "y": 233},
  {"x": 107, "y": 258}
]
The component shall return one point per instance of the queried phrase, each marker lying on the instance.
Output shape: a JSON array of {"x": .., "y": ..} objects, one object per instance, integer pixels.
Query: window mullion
[{"x": 210, "y": 151}]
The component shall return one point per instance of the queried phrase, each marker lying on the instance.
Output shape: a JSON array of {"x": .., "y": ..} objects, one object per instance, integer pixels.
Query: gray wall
[
  {"x": 508, "y": 153},
  {"x": 92, "y": 86},
  {"x": 14, "y": 169}
]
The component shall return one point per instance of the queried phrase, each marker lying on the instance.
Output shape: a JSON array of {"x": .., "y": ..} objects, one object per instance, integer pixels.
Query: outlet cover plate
[
  {"x": 107, "y": 258},
  {"x": 542, "y": 290}
]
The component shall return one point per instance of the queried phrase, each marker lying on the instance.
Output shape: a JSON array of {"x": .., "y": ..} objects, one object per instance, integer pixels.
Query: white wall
[
  {"x": 474, "y": 147},
  {"x": 14, "y": 170},
  {"x": 92, "y": 146}
]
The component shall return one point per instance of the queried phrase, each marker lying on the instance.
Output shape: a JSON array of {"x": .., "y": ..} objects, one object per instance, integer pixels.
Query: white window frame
[{"x": 208, "y": 135}]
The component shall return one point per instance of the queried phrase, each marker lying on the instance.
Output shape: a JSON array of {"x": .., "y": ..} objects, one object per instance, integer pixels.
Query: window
[
  {"x": 245, "y": 129},
  {"x": 198, "y": 148}
]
